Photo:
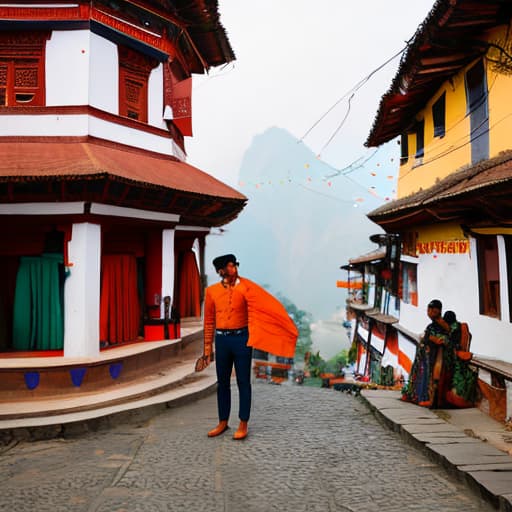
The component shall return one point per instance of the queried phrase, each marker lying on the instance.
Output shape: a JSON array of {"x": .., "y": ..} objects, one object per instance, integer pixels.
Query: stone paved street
[{"x": 309, "y": 450}]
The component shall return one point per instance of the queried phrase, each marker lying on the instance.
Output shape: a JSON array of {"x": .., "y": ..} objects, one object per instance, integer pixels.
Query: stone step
[{"x": 31, "y": 419}]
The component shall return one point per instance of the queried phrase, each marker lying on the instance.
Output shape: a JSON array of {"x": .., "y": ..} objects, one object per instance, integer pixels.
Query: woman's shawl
[{"x": 270, "y": 327}]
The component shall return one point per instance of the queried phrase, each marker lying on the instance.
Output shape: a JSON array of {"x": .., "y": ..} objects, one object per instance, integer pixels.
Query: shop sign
[{"x": 443, "y": 247}]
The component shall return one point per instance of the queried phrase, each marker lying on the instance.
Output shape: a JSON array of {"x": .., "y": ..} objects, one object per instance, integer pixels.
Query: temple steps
[{"x": 149, "y": 390}]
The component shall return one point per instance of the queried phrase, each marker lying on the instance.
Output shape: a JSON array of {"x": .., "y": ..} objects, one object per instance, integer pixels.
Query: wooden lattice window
[
  {"x": 22, "y": 72},
  {"x": 409, "y": 240},
  {"x": 134, "y": 69}
]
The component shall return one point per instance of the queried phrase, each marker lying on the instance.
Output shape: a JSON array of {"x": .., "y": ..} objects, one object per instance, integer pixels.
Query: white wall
[
  {"x": 67, "y": 68},
  {"x": 104, "y": 75},
  {"x": 46, "y": 125},
  {"x": 167, "y": 267},
  {"x": 82, "y": 292},
  {"x": 453, "y": 279},
  {"x": 129, "y": 136},
  {"x": 156, "y": 97}
]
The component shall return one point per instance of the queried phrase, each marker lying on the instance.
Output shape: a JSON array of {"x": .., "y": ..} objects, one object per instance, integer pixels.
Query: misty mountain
[{"x": 300, "y": 224}]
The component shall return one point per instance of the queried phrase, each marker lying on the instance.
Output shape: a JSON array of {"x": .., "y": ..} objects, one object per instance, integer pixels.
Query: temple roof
[
  {"x": 193, "y": 24},
  {"x": 95, "y": 170},
  {"x": 205, "y": 29},
  {"x": 446, "y": 42}
]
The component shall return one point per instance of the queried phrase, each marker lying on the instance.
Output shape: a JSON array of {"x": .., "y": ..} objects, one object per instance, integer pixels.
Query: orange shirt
[{"x": 225, "y": 307}]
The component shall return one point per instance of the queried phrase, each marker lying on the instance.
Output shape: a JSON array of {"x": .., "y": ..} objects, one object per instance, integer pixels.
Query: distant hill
[{"x": 297, "y": 229}]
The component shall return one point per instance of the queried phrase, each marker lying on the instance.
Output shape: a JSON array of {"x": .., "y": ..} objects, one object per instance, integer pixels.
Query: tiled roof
[
  {"x": 91, "y": 170},
  {"x": 20, "y": 161},
  {"x": 204, "y": 27},
  {"x": 377, "y": 254}
]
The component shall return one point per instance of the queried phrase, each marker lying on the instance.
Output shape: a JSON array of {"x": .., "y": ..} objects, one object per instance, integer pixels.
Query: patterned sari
[{"x": 427, "y": 369}]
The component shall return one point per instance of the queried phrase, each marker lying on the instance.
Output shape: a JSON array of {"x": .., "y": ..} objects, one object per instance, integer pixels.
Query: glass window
[
  {"x": 439, "y": 115},
  {"x": 404, "y": 148},
  {"x": 477, "y": 109},
  {"x": 409, "y": 286},
  {"x": 420, "y": 139},
  {"x": 476, "y": 91},
  {"x": 488, "y": 276}
]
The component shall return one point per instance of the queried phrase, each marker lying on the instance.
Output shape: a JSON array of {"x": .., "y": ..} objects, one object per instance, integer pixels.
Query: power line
[{"x": 353, "y": 90}]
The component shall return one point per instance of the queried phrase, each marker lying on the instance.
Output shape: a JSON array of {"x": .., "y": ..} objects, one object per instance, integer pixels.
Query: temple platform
[{"x": 121, "y": 384}]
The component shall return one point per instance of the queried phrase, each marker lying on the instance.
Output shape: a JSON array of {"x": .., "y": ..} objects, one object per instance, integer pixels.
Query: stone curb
[
  {"x": 134, "y": 415},
  {"x": 500, "y": 502}
]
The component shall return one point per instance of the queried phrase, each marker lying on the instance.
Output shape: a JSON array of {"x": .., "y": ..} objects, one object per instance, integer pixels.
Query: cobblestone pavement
[{"x": 309, "y": 450}]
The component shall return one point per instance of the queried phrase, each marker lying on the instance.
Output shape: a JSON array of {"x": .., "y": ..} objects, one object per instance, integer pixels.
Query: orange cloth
[{"x": 270, "y": 327}]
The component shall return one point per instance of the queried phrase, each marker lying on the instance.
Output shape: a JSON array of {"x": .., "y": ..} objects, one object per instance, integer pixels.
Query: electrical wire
[
  {"x": 353, "y": 90},
  {"x": 337, "y": 199},
  {"x": 339, "y": 126}
]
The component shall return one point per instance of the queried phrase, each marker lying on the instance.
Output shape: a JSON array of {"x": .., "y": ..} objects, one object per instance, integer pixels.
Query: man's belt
[{"x": 232, "y": 332}]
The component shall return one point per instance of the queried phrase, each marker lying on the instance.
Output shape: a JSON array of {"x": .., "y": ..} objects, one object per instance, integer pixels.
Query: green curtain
[{"x": 38, "y": 322}]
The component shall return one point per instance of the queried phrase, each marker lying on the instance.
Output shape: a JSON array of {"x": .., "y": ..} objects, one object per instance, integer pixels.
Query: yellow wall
[
  {"x": 500, "y": 92},
  {"x": 444, "y": 155},
  {"x": 442, "y": 231}
]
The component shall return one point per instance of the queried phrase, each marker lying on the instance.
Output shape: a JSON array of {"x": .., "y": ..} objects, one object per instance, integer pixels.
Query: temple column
[
  {"x": 82, "y": 292},
  {"x": 167, "y": 266}
]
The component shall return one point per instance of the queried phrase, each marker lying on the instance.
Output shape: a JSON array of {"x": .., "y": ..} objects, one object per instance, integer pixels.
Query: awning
[{"x": 376, "y": 255}]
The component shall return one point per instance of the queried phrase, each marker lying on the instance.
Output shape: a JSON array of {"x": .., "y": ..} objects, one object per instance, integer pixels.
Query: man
[{"x": 240, "y": 315}]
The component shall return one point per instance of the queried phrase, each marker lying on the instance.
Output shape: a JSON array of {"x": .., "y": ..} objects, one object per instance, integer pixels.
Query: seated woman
[
  {"x": 427, "y": 370},
  {"x": 461, "y": 389}
]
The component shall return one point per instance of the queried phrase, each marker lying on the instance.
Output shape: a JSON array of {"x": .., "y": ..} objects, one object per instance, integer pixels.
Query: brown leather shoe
[
  {"x": 241, "y": 433},
  {"x": 219, "y": 429}
]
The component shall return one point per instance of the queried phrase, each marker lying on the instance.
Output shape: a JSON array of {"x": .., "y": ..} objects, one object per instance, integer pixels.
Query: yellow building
[{"x": 450, "y": 105}]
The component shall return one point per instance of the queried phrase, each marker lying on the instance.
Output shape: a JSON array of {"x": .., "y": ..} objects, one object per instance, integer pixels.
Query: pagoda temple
[{"x": 102, "y": 222}]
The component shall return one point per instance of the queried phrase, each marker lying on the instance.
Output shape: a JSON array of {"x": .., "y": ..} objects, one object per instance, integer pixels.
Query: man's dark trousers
[{"x": 232, "y": 349}]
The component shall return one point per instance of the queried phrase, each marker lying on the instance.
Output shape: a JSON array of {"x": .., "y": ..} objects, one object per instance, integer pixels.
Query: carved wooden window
[
  {"x": 409, "y": 240},
  {"x": 22, "y": 73},
  {"x": 134, "y": 69}
]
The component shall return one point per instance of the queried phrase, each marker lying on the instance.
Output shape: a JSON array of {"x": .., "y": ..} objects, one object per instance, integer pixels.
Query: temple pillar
[
  {"x": 167, "y": 266},
  {"x": 82, "y": 292}
]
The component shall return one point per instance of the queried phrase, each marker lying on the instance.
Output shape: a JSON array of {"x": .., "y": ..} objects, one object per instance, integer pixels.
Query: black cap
[
  {"x": 435, "y": 304},
  {"x": 220, "y": 262}
]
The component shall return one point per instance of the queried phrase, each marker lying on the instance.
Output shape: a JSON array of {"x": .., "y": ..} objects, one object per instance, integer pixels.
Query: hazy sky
[{"x": 295, "y": 59}]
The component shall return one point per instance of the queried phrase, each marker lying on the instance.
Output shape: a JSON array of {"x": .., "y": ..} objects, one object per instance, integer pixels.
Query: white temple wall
[
  {"x": 82, "y": 292},
  {"x": 67, "y": 68},
  {"x": 129, "y": 136},
  {"x": 51, "y": 125},
  {"x": 156, "y": 98},
  {"x": 104, "y": 75}
]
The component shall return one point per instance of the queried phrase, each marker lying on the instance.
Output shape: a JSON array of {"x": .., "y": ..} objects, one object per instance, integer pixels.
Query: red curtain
[
  {"x": 8, "y": 272},
  {"x": 119, "y": 302},
  {"x": 189, "y": 286}
]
